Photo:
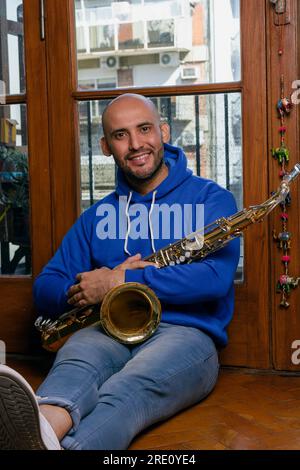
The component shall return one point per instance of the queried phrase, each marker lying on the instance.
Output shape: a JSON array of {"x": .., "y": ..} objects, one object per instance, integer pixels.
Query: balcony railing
[
  {"x": 124, "y": 12},
  {"x": 145, "y": 35}
]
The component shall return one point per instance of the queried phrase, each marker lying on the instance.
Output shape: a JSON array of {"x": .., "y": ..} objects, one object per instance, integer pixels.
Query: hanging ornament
[
  {"x": 284, "y": 107},
  {"x": 281, "y": 153}
]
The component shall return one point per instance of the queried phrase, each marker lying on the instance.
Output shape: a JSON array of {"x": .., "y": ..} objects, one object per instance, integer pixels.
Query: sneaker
[{"x": 22, "y": 426}]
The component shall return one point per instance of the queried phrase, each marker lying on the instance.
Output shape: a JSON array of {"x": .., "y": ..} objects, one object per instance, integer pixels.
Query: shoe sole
[{"x": 19, "y": 415}]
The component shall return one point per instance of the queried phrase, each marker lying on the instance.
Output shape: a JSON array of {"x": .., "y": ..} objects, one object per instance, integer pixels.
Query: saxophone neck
[
  {"x": 261, "y": 210},
  {"x": 217, "y": 234},
  {"x": 289, "y": 177}
]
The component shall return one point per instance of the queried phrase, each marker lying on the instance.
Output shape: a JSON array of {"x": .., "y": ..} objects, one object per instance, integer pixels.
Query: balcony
[
  {"x": 125, "y": 12},
  {"x": 103, "y": 31}
]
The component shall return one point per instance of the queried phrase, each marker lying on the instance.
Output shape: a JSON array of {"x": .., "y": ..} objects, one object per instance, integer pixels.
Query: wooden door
[
  {"x": 261, "y": 333},
  {"x": 249, "y": 331},
  {"x": 26, "y": 227},
  {"x": 285, "y": 322}
]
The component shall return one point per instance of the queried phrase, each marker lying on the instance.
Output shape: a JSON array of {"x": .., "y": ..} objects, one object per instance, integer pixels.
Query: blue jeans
[{"x": 113, "y": 391}]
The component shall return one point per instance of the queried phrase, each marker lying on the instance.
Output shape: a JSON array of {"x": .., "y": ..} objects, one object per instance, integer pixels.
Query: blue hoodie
[{"x": 200, "y": 294}]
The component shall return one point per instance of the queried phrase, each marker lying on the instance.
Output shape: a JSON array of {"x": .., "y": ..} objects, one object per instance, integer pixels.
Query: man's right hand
[
  {"x": 93, "y": 285},
  {"x": 134, "y": 262}
]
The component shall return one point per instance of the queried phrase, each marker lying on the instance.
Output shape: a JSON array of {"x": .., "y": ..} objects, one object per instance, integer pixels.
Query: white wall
[{"x": 155, "y": 75}]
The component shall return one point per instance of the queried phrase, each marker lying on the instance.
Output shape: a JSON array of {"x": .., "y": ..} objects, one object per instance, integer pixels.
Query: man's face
[{"x": 135, "y": 137}]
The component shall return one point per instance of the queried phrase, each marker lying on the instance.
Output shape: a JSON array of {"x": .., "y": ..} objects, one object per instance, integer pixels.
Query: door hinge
[
  {"x": 282, "y": 10},
  {"x": 42, "y": 19}
]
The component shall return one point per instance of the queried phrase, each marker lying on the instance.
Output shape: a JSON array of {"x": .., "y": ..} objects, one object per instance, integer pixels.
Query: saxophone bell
[{"x": 129, "y": 313}]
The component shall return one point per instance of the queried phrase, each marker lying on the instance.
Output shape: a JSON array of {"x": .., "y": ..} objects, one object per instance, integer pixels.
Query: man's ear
[
  {"x": 165, "y": 132},
  {"x": 105, "y": 147}
]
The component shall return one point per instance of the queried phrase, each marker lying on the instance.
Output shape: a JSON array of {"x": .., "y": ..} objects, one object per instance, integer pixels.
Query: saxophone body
[{"x": 130, "y": 313}]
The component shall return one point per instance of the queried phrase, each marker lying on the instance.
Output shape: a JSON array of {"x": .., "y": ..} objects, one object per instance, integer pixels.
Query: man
[{"x": 100, "y": 393}]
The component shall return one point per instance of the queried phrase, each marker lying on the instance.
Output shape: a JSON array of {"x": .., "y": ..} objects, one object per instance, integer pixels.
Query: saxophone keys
[
  {"x": 44, "y": 325},
  {"x": 38, "y": 323}
]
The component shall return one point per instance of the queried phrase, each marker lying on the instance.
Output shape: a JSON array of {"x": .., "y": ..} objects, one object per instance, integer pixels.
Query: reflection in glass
[
  {"x": 146, "y": 43},
  {"x": 207, "y": 127},
  {"x": 12, "y": 71},
  {"x": 15, "y": 251},
  {"x": 131, "y": 35},
  {"x": 102, "y": 38},
  {"x": 97, "y": 171},
  {"x": 160, "y": 33}
]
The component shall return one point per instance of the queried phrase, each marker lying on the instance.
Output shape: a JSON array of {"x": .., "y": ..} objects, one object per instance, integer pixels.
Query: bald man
[{"x": 100, "y": 393}]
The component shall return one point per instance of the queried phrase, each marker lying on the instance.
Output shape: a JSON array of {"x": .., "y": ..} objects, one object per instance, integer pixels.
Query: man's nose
[{"x": 135, "y": 141}]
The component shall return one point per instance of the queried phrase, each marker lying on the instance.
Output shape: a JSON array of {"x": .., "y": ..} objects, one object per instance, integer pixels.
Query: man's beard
[{"x": 141, "y": 179}]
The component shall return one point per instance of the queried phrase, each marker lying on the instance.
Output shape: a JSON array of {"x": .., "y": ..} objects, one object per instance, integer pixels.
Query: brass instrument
[{"x": 131, "y": 312}]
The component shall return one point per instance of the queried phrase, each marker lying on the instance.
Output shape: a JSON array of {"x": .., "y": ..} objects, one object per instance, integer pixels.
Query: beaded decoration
[{"x": 286, "y": 282}]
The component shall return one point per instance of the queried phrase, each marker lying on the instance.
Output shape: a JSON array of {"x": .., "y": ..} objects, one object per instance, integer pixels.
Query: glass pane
[
  {"x": 142, "y": 43},
  {"x": 12, "y": 69},
  {"x": 15, "y": 255},
  {"x": 207, "y": 127},
  {"x": 160, "y": 33},
  {"x": 131, "y": 36}
]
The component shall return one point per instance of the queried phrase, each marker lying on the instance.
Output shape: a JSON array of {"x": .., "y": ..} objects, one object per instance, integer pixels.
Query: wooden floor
[{"x": 245, "y": 411}]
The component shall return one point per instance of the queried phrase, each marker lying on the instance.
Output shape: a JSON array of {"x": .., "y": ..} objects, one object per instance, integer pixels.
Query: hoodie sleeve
[
  {"x": 73, "y": 256},
  {"x": 199, "y": 281}
]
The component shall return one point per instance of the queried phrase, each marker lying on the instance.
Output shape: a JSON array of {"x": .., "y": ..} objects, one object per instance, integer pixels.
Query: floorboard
[{"x": 246, "y": 410}]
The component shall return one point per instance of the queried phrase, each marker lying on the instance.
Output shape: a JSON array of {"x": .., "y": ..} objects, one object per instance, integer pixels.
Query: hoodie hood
[{"x": 178, "y": 173}]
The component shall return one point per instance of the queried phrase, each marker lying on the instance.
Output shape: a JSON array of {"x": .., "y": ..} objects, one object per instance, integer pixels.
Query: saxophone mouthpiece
[{"x": 293, "y": 174}]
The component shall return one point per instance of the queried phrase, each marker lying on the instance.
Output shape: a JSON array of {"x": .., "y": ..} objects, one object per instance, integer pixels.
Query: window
[
  {"x": 205, "y": 127},
  {"x": 201, "y": 36},
  {"x": 182, "y": 48},
  {"x": 15, "y": 253},
  {"x": 12, "y": 65}
]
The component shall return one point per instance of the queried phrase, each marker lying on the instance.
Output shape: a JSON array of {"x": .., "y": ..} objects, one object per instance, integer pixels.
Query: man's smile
[{"x": 141, "y": 158}]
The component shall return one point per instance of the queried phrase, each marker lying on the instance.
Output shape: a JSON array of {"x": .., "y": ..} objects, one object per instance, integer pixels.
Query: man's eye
[
  {"x": 119, "y": 135},
  {"x": 145, "y": 129}
]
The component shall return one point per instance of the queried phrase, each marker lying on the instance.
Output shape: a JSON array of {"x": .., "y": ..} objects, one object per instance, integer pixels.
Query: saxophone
[{"x": 130, "y": 313}]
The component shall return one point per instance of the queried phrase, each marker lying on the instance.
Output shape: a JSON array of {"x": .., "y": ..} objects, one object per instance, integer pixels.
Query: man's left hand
[{"x": 93, "y": 285}]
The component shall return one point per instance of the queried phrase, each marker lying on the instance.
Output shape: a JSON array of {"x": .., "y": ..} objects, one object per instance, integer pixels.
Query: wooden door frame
[
  {"x": 64, "y": 143},
  {"x": 249, "y": 335}
]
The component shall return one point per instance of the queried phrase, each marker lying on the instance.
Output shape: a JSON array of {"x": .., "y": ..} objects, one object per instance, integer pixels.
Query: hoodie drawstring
[
  {"x": 150, "y": 221},
  {"x": 129, "y": 223}
]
